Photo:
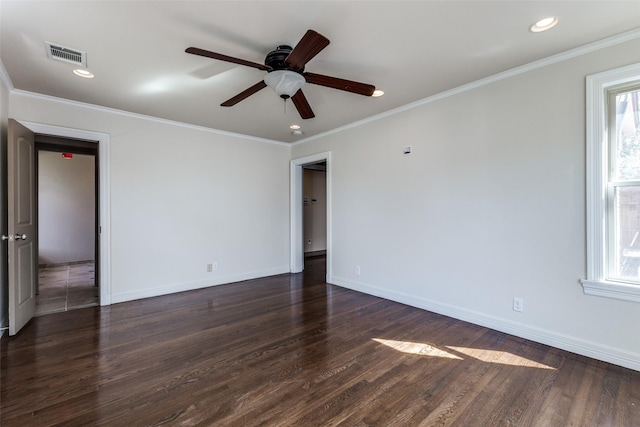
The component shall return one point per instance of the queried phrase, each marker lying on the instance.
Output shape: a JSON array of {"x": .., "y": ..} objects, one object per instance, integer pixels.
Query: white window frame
[{"x": 597, "y": 90}]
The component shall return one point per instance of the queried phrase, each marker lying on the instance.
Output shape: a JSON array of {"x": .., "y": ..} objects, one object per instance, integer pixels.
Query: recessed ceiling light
[
  {"x": 294, "y": 127},
  {"x": 377, "y": 93},
  {"x": 544, "y": 24},
  {"x": 83, "y": 73}
]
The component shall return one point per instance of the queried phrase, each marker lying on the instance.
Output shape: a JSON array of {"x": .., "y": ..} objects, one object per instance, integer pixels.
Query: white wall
[
  {"x": 182, "y": 197},
  {"x": 489, "y": 206},
  {"x": 315, "y": 210},
  {"x": 66, "y": 208}
]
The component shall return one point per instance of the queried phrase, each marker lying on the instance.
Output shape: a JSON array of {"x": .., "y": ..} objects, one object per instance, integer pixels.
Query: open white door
[{"x": 23, "y": 266}]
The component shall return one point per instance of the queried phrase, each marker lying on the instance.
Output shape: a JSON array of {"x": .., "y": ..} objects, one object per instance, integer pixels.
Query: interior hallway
[{"x": 66, "y": 287}]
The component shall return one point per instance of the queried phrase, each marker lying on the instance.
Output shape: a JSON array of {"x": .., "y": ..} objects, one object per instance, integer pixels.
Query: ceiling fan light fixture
[{"x": 284, "y": 83}]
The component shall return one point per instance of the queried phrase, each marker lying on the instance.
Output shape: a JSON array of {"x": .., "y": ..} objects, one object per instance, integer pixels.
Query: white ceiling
[{"x": 410, "y": 49}]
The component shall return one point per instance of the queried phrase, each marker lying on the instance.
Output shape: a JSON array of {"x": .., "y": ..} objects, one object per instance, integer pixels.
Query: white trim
[
  {"x": 544, "y": 336},
  {"x": 198, "y": 284},
  {"x": 614, "y": 290},
  {"x": 104, "y": 148},
  {"x": 149, "y": 118},
  {"x": 4, "y": 76},
  {"x": 582, "y": 50},
  {"x": 596, "y": 133},
  {"x": 296, "y": 220},
  {"x": 296, "y": 223}
]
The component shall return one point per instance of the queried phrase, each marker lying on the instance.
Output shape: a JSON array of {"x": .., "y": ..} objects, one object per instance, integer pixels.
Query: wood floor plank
[{"x": 292, "y": 350}]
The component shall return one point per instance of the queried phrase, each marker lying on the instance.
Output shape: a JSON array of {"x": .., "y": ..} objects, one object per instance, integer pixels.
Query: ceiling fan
[{"x": 286, "y": 75}]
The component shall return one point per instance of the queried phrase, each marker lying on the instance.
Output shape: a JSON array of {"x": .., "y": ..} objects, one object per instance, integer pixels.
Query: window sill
[{"x": 617, "y": 290}]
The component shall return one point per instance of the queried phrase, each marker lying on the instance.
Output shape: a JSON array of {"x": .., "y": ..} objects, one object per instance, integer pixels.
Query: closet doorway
[{"x": 314, "y": 211}]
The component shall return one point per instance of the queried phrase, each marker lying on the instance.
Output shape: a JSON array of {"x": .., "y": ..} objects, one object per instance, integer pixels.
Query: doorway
[
  {"x": 103, "y": 142},
  {"x": 297, "y": 232},
  {"x": 22, "y": 234},
  {"x": 67, "y": 206}
]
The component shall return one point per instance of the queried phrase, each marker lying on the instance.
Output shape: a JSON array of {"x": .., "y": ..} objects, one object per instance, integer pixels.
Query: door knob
[{"x": 11, "y": 238}]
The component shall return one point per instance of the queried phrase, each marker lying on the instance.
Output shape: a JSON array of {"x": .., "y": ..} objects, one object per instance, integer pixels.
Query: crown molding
[
  {"x": 541, "y": 63},
  {"x": 4, "y": 76},
  {"x": 145, "y": 117}
]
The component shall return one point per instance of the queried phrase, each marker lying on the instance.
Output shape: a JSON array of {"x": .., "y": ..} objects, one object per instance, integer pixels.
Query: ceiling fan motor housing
[{"x": 276, "y": 58}]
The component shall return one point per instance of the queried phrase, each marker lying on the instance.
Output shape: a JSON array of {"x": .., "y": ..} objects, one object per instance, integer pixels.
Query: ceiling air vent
[{"x": 65, "y": 54}]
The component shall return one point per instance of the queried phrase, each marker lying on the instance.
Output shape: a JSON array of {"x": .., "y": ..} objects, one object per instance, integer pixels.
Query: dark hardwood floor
[{"x": 291, "y": 350}]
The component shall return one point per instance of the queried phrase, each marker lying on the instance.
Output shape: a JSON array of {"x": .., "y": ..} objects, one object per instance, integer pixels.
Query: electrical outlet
[
  {"x": 214, "y": 266},
  {"x": 209, "y": 268},
  {"x": 518, "y": 304},
  {"x": 357, "y": 270}
]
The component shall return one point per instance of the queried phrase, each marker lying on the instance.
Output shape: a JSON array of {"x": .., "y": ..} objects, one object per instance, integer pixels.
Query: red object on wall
[{"x": 67, "y": 156}]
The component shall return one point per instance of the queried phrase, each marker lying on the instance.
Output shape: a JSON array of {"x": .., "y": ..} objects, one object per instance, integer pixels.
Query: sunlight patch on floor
[
  {"x": 418, "y": 348},
  {"x": 500, "y": 357},
  {"x": 484, "y": 355}
]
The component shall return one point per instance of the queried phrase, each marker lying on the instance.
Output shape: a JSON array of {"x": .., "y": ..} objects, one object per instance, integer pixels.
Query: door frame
[
  {"x": 104, "y": 199},
  {"x": 296, "y": 219}
]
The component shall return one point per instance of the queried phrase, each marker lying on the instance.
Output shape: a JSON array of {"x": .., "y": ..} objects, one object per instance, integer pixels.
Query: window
[
  {"x": 623, "y": 191},
  {"x": 613, "y": 184}
]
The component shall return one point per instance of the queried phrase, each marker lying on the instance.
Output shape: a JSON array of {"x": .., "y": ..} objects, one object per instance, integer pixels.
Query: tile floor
[{"x": 66, "y": 287}]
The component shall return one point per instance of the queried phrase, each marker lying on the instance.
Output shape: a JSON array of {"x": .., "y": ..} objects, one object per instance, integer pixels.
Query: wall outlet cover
[{"x": 518, "y": 304}]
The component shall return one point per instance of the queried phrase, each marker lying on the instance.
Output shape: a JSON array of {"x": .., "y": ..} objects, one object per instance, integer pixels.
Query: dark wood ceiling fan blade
[
  {"x": 244, "y": 94},
  {"x": 221, "y": 57},
  {"x": 302, "y": 105},
  {"x": 341, "y": 84},
  {"x": 309, "y": 46}
]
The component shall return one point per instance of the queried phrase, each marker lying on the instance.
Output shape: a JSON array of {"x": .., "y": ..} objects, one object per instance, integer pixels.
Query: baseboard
[
  {"x": 61, "y": 264},
  {"x": 314, "y": 253},
  {"x": 197, "y": 284},
  {"x": 575, "y": 345}
]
